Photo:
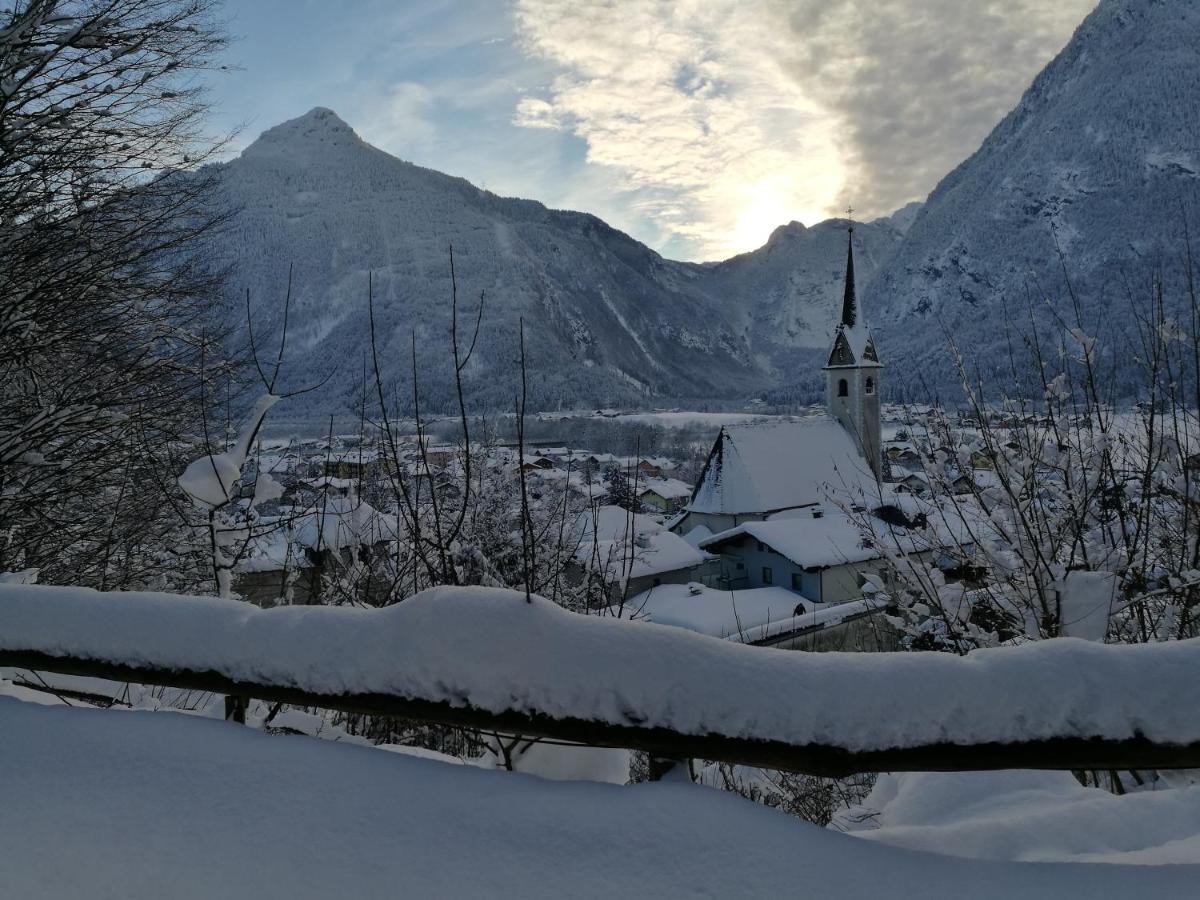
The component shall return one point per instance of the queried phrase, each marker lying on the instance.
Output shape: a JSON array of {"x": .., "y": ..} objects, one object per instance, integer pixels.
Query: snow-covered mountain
[
  {"x": 1101, "y": 157},
  {"x": 607, "y": 320}
]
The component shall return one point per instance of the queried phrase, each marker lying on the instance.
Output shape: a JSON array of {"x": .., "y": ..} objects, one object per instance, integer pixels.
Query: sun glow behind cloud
[
  {"x": 687, "y": 106},
  {"x": 720, "y": 120}
]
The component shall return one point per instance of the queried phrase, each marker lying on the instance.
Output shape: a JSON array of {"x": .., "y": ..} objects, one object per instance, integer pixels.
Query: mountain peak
[
  {"x": 319, "y": 127},
  {"x": 790, "y": 230}
]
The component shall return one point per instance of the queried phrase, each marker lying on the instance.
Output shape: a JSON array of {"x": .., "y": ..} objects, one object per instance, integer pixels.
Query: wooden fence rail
[{"x": 814, "y": 759}]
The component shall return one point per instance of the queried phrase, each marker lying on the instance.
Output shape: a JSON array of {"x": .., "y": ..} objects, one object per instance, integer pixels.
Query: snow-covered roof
[
  {"x": 646, "y": 555},
  {"x": 831, "y": 540},
  {"x": 616, "y": 551},
  {"x": 860, "y": 344},
  {"x": 768, "y": 466},
  {"x": 747, "y": 615},
  {"x": 667, "y": 488},
  {"x": 698, "y": 534},
  {"x": 344, "y": 522},
  {"x": 837, "y": 538},
  {"x": 612, "y": 523},
  {"x": 331, "y": 483}
]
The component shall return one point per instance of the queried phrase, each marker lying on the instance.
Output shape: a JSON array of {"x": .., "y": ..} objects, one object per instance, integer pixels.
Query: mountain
[
  {"x": 607, "y": 320},
  {"x": 1101, "y": 158}
]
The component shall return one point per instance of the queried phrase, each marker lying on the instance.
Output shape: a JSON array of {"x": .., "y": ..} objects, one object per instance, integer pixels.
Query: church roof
[
  {"x": 853, "y": 346},
  {"x": 768, "y": 466},
  {"x": 849, "y": 301}
]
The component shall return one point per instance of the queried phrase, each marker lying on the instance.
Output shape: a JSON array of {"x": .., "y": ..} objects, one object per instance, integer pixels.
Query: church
[{"x": 758, "y": 470}]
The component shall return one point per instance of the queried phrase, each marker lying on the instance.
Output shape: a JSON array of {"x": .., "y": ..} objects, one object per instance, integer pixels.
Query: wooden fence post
[{"x": 235, "y": 707}]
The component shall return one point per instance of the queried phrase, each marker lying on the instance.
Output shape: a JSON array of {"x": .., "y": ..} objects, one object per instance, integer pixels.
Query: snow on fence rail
[{"x": 487, "y": 659}]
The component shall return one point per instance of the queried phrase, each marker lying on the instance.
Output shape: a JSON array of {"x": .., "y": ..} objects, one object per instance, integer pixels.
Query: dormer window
[
  {"x": 843, "y": 387},
  {"x": 870, "y": 385}
]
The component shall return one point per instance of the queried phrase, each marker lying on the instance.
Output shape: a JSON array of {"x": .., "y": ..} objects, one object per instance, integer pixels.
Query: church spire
[{"x": 849, "y": 302}]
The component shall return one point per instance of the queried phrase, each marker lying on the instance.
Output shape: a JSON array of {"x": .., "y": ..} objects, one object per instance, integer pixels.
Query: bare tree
[{"x": 104, "y": 305}]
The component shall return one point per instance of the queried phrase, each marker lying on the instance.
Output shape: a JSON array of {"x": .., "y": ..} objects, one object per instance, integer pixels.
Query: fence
[{"x": 490, "y": 661}]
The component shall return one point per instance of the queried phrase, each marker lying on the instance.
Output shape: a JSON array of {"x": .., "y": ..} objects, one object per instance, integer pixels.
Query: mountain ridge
[
  {"x": 1099, "y": 161},
  {"x": 608, "y": 320}
]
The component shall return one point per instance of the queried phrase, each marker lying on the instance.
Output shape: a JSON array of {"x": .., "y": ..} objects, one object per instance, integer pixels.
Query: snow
[
  {"x": 833, "y": 539},
  {"x": 556, "y": 761},
  {"x": 1085, "y": 604},
  {"x": 612, "y": 523},
  {"x": 858, "y": 338},
  {"x": 649, "y": 550},
  {"x": 746, "y": 615},
  {"x": 144, "y": 805},
  {"x": 1033, "y": 816},
  {"x": 608, "y": 320},
  {"x": 490, "y": 648},
  {"x": 764, "y": 467},
  {"x": 667, "y": 488},
  {"x": 344, "y": 522},
  {"x": 212, "y": 479}
]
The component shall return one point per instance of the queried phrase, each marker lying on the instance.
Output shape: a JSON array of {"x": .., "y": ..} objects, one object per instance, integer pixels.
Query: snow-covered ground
[
  {"x": 141, "y": 805},
  {"x": 685, "y": 419},
  {"x": 1033, "y": 816}
]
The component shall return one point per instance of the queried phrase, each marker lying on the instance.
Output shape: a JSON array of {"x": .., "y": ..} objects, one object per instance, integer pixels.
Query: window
[
  {"x": 762, "y": 548},
  {"x": 870, "y": 385},
  {"x": 843, "y": 388},
  {"x": 797, "y": 582},
  {"x": 768, "y": 575}
]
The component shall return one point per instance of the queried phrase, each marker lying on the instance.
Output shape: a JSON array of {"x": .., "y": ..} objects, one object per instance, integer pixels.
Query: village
[{"x": 785, "y": 531}]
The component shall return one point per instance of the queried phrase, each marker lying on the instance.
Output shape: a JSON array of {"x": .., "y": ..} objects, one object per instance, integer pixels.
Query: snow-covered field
[{"x": 148, "y": 805}]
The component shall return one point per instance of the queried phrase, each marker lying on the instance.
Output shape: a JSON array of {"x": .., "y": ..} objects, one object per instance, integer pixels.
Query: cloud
[
  {"x": 400, "y": 117},
  {"x": 687, "y": 107},
  {"x": 918, "y": 84},
  {"x": 724, "y": 118}
]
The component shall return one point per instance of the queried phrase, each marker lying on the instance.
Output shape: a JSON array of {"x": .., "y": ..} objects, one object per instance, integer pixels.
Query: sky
[{"x": 696, "y": 126}]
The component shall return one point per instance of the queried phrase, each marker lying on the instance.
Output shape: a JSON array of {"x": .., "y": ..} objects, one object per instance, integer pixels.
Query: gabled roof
[
  {"x": 762, "y": 467},
  {"x": 606, "y": 545},
  {"x": 812, "y": 543},
  {"x": 853, "y": 346},
  {"x": 667, "y": 488}
]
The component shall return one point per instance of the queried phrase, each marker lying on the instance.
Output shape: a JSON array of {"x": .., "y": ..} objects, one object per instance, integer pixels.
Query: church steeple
[
  {"x": 849, "y": 302},
  {"x": 853, "y": 370}
]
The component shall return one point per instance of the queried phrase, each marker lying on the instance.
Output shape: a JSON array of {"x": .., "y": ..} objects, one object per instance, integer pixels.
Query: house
[
  {"x": 665, "y": 494},
  {"x": 828, "y": 556},
  {"x": 823, "y": 556},
  {"x": 755, "y": 470},
  {"x": 913, "y": 484},
  {"x": 631, "y": 552},
  {"x": 654, "y": 467},
  {"x": 289, "y": 563},
  {"x": 533, "y": 462}
]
